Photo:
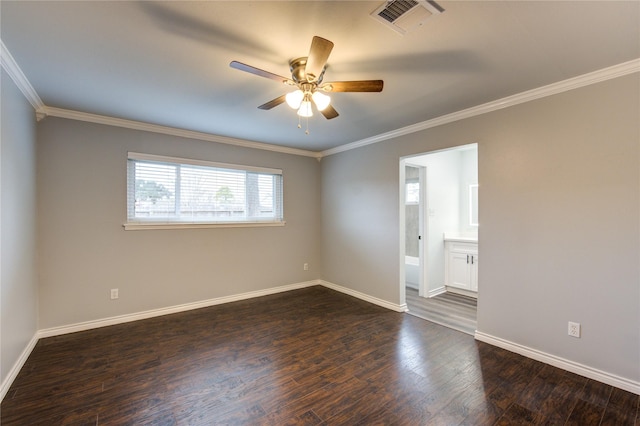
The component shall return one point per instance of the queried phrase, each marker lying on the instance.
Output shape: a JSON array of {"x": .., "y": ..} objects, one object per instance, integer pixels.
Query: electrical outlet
[
  {"x": 114, "y": 293},
  {"x": 574, "y": 329},
  {"x": 305, "y": 266}
]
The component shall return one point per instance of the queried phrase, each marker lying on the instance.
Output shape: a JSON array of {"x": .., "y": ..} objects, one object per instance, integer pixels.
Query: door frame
[
  {"x": 423, "y": 231},
  {"x": 424, "y": 221}
]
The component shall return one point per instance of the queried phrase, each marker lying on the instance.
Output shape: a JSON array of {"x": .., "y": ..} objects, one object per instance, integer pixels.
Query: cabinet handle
[
  {"x": 467, "y": 258},
  {"x": 472, "y": 260}
]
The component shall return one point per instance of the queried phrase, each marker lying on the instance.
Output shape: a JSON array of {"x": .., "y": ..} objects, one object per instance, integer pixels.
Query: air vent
[
  {"x": 395, "y": 9},
  {"x": 405, "y": 16}
]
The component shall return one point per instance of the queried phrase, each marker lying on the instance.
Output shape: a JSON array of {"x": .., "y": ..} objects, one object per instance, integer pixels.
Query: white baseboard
[
  {"x": 436, "y": 291},
  {"x": 17, "y": 366},
  {"x": 461, "y": 291},
  {"x": 104, "y": 322},
  {"x": 565, "y": 364},
  {"x": 412, "y": 285},
  {"x": 88, "y": 325},
  {"x": 583, "y": 370},
  {"x": 365, "y": 297}
]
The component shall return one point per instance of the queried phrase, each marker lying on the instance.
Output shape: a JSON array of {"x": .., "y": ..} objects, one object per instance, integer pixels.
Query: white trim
[
  {"x": 11, "y": 67},
  {"x": 172, "y": 131},
  {"x": 461, "y": 291},
  {"x": 586, "y": 371},
  {"x": 604, "y": 74},
  {"x": 120, "y": 319},
  {"x": 565, "y": 364},
  {"x": 144, "y": 226},
  {"x": 17, "y": 366},
  {"x": 176, "y": 219},
  {"x": 392, "y": 306},
  {"x": 615, "y": 71},
  {"x": 88, "y": 325},
  {"x": 436, "y": 291}
]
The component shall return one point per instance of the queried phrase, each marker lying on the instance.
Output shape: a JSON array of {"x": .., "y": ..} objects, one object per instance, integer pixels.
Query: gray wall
[
  {"x": 86, "y": 252},
  {"x": 18, "y": 254},
  {"x": 560, "y": 237}
]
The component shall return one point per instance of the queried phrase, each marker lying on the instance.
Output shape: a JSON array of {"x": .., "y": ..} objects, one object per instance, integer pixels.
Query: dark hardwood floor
[{"x": 310, "y": 356}]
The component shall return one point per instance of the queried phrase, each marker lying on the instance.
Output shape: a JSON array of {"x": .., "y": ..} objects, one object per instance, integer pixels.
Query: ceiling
[{"x": 167, "y": 63}]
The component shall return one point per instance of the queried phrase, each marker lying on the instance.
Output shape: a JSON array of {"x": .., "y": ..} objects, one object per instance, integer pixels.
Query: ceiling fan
[{"x": 306, "y": 76}]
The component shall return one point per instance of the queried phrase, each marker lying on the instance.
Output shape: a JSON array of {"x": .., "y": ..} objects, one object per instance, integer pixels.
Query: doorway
[{"x": 438, "y": 218}]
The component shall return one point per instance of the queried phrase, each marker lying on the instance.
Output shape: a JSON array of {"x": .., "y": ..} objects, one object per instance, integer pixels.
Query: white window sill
[{"x": 137, "y": 226}]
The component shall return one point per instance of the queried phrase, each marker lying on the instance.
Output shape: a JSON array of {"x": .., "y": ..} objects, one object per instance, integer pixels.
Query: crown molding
[
  {"x": 42, "y": 111},
  {"x": 604, "y": 74},
  {"x": 172, "y": 131},
  {"x": 11, "y": 67},
  {"x": 16, "y": 74}
]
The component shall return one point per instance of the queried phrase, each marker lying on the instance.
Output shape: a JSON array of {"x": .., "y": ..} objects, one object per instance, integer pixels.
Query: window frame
[{"x": 165, "y": 223}]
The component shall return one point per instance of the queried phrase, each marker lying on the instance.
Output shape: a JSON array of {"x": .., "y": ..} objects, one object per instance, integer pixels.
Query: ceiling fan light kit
[
  {"x": 305, "y": 109},
  {"x": 294, "y": 99},
  {"x": 321, "y": 100},
  {"x": 307, "y": 74}
]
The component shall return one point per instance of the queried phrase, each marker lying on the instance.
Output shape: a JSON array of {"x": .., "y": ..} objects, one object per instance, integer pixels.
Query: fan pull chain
[{"x": 306, "y": 132}]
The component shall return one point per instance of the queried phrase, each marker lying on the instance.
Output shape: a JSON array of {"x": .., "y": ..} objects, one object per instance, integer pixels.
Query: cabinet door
[
  {"x": 459, "y": 270},
  {"x": 474, "y": 273}
]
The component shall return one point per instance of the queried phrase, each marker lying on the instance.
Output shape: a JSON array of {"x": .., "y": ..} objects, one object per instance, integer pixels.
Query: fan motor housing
[{"x": 298, "y": 70}]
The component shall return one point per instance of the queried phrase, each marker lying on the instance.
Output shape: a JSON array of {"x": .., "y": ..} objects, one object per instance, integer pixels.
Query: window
[
  {"x": 412, "y": 195},
  {"x": 168, "y": 192}
]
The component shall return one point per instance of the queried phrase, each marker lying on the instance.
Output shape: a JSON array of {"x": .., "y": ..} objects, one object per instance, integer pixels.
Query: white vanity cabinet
[{"x": 461, "y": 264}]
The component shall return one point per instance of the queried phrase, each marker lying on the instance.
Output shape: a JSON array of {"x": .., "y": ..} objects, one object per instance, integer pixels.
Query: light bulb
[
  {"x": 321, "y": 100},
  {"x": 294, "y": 99},
  {"x": 305, "y": 109}
]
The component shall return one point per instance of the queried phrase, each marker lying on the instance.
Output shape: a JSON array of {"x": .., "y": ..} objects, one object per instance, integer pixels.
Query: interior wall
[
  {"x": 18, "y": 253},
  {"x": 560, "y": 236},
  {"x": 86, "y": 252}
]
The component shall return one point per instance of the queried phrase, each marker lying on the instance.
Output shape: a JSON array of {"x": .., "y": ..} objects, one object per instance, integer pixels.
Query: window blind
[{"x": 185, "y": 191}]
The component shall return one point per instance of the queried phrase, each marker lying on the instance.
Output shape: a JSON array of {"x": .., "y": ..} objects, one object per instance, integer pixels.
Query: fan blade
[
  {"x": 262, "y": 73},
  {"x": 273, "y": 103},
  {"x": 354, "y": 86},
  {"x": 329, "y": 112},
  {"x": 317, "y": 59}
]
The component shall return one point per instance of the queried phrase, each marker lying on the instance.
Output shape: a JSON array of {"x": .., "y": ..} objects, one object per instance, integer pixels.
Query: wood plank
[
  {"x": 449, "y": 309},
  {"x": 310, "y": 356},
  {"x": 622, "y": 408},
  {"x": 585, "y": 413}
]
